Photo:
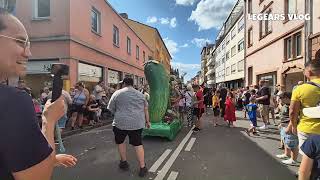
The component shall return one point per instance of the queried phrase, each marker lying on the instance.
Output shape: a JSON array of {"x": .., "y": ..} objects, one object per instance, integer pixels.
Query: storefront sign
[{"x": 39, "y": 67}]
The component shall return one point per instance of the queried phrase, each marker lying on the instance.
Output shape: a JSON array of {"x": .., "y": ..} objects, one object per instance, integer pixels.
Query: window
[
  {"x": 233, "y": 51},
  {"x": 228, "y": 39},
  {"x": 240, "y": 45},
  {"x": 233, "y": 33},
  {"x": 227, "y": 55},
  {"x": 265, "y": 27},
  {"x": 128, "y": 45},
  {"x": 137, "y": 52},
  {"x": 293, "y": 45},
  {"x": 288, "y": 45},
  {"x": 95, "y": 20},
  {"x": 250, "y": 37},
  {"x": 144, "y": 56},
  {"x": 249, "y": 6},
  {"x": 228, "y": 71},
  {"x": 297, "y": 39},
  {"x": 233, "y": 69},
  {"x": 250, "y": 76},
  {"x": 241, "y": 24},
  {"x": 115, "y": 36},
  {"x": 290, "y": 7},
  {"x": 241, "y": 66},
  {"x": 41, "y": 9}
]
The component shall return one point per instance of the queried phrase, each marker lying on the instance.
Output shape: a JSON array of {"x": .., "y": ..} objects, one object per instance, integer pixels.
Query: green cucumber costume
[{"x": 158, "y": 81}]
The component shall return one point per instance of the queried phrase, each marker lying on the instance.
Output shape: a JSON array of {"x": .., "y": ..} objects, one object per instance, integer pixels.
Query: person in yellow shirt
[
  {"x": 216, "y": 107},
  {"x": 304, "y": 96}
]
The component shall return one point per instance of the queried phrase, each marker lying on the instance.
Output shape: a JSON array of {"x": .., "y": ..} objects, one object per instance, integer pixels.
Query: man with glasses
[{"x": 26, "y": 152}]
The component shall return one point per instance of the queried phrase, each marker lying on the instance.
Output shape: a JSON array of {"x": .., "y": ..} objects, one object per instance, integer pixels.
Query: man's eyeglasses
[{"x": 24, "y": 43}]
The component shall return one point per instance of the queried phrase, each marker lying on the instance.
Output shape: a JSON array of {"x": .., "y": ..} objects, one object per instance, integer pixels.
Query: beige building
[
  {"x": 153, "y": 39},
  {"x": 205, "y": 57},
  {"x": 315, "y": 28},
  {"x": 275, "y": 49}
]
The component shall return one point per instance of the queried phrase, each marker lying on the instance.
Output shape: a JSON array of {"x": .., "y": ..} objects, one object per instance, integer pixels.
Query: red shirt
[{"x": 200, "y": 97}]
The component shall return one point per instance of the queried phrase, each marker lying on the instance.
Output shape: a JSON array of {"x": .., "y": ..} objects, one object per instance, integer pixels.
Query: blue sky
[{"x": 185, "y": 25}]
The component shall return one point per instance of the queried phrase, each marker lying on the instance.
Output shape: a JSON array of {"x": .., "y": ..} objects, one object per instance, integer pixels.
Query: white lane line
[
  {"x": 158, "y": 163},
  {"x": 190, "y": 144},
  {"x": 173, "y": 175},
  {"x": 173, "y": 157}
]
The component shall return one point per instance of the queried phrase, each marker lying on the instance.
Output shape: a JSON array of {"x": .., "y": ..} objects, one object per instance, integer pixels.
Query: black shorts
[
  {"x": 135, "y": 138},
  {"x": 77, "y": 108},
  {"x": 216, "y": 111},
  {"x": 198, "y": 112}
]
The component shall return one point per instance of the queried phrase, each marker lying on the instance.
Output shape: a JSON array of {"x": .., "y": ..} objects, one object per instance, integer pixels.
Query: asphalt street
[{"x": 218, "y": 153}]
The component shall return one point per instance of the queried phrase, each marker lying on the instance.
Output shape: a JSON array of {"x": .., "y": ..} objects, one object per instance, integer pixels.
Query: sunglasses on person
[{"x": 24, "y": 43}]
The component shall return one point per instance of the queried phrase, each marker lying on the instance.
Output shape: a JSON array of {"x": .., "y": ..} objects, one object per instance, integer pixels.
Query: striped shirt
[{"x": 128, "y": 105}]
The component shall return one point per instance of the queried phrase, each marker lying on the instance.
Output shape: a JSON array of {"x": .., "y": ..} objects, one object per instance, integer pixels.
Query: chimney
[{"x": 124, "y": 15}]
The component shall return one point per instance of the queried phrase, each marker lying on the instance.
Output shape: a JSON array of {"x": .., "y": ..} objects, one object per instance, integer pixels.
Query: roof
[
  {"x": 156, "y": 31},
  {"x": 106, "y": 1}
]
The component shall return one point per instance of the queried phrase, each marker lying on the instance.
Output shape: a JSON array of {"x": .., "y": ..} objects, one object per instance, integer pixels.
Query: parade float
[{"x": 164, "y": 120}]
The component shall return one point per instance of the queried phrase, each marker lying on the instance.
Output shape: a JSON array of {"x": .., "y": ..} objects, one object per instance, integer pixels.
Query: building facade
[
  {"x": 211, "y": 68},
  {"x": 205, "y": 57},
  {"x": 153, "y": 39},
  {"x": 97, "y": 43},
  {"x": 315, "y": 28},
  {"x": 230, "y": 49},
  {"x": 275, "y": 50}
]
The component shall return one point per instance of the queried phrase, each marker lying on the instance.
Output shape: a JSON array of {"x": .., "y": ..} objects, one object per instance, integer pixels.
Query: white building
[
  {"x": 211, "y": 75},
  {"x": 230, "y": 51}
]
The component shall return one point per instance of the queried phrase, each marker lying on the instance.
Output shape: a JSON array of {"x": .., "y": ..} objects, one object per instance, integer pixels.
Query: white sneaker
[
  {"x": 290, "y": 162},
  {"x": 264, "y": 127},
  {"x": 282, "y": 156}
]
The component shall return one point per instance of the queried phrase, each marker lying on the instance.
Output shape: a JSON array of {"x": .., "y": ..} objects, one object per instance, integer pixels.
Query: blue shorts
[
  {"x": 63, "y": 121},
  {"x": 291, "y": 141},
  {"x": 254, "y": 122}
]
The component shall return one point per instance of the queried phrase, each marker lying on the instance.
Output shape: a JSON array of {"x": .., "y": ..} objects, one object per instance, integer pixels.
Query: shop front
[
  {"x": 271, "y": 78},
  {"x": 90, "y": 75},
  {"x": 235, "y": 84},
  {"x": 38, "y": 75}
]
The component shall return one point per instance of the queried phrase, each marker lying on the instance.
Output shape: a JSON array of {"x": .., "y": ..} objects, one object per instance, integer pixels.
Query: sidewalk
[{"x": 68, "y": 132}]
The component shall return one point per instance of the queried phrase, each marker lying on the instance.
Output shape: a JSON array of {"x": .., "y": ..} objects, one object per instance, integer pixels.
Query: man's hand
[
  {"x": 148, "y": 124},
  {"x": 66, "y": 160},
  {"x": 54, "y": 111},
  {"x": 291, "y": 130}
]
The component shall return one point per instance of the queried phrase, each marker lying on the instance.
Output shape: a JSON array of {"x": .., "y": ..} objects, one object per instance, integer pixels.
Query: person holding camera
[{"x": 26, "y": 152}]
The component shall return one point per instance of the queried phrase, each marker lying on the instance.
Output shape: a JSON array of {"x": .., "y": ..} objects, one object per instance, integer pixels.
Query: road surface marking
[
  {"x": 173, "y": 175},
  {"x": 190, "y": 144},
  {"x": 158, "y": 163},
  {"x": 173, "y": 157}
]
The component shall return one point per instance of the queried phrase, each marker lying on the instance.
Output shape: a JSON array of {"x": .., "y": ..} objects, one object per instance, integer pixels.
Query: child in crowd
[
  {"x": 230, "y": 113},
  {"x": 290, "y": 141},
  {"x": 216, "y": 107},
  {"x": 251, "y": 108}
]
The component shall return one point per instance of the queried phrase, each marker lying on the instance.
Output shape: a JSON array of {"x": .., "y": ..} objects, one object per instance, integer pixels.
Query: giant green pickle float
[{"x": 158, "y": 81}]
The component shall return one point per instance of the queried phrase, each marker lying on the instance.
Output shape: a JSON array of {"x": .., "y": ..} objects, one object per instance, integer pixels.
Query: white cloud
[
  {"x": 173, "y": 22},
  {"x": 200, "y": 42},
  {"x": 152, "y": 19},
  {"x": 211, "y": 13},
  {"x": 185, "y": 2},
  {"x": 171, "y": 45},
  {"x": 185, "y": 45},
  {"x": 190, "y": 69},
  {"x": 164, "y": 20}
]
